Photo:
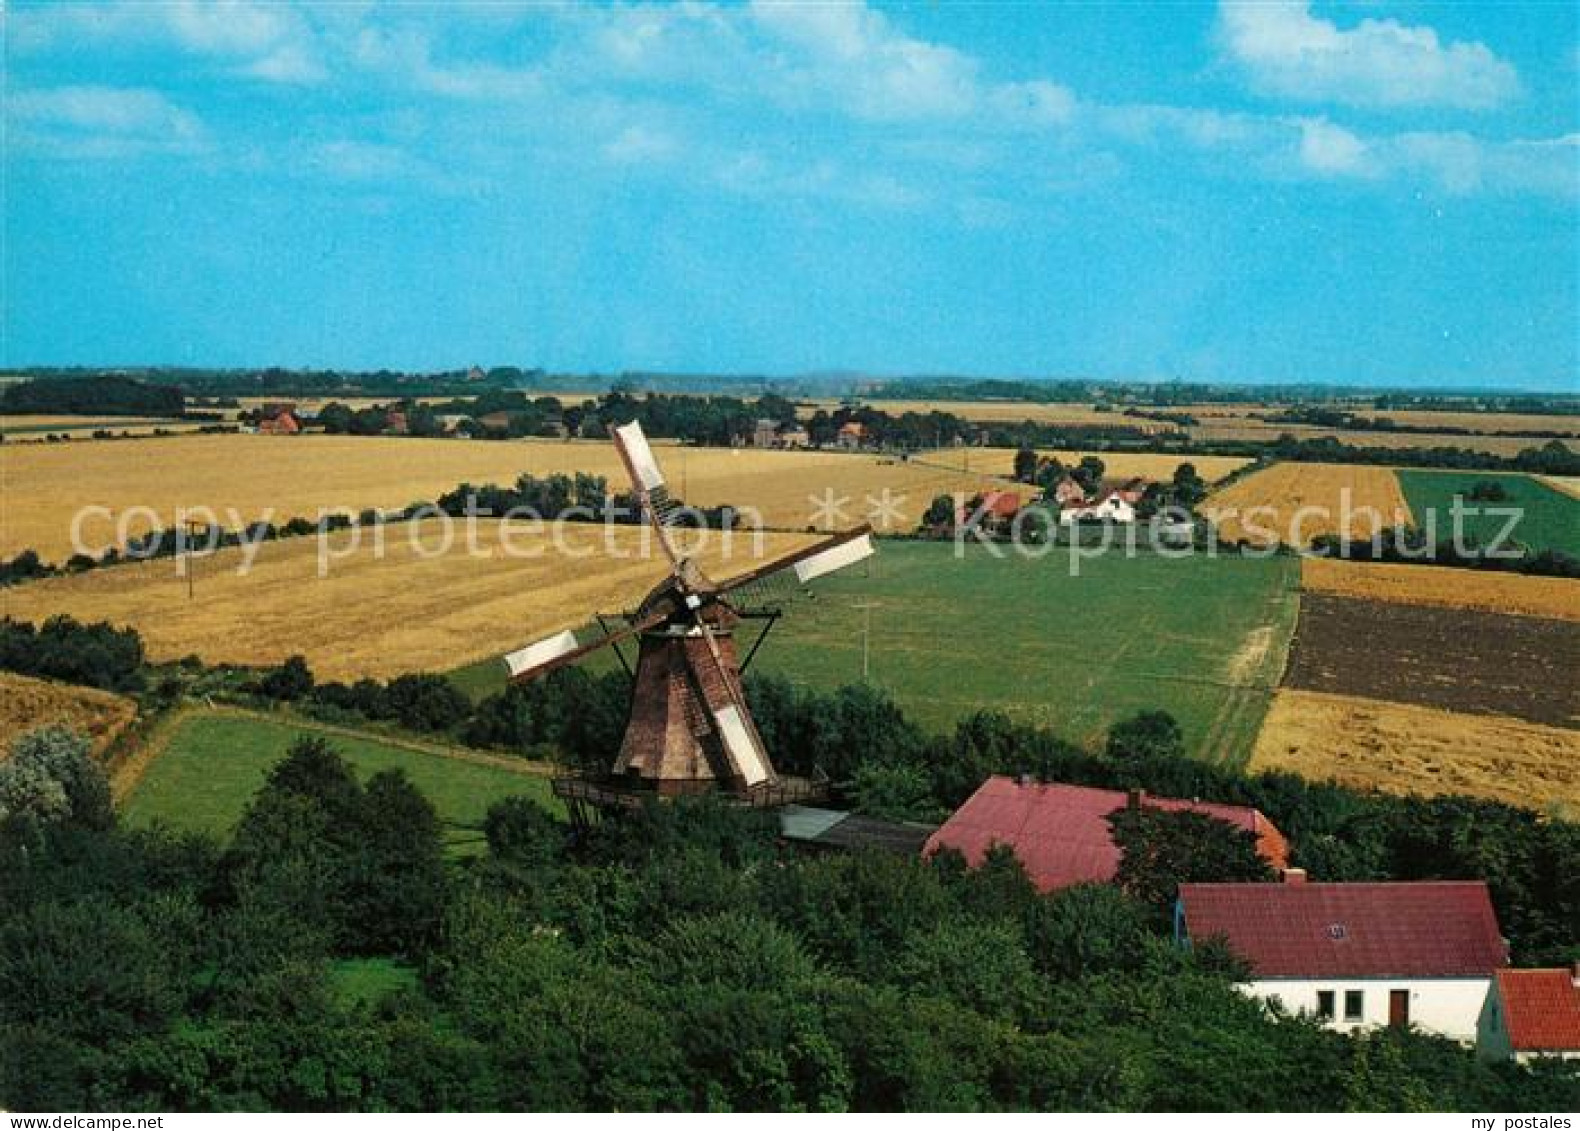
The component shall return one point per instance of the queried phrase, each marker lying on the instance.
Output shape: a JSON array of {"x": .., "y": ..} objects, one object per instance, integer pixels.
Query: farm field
[
  {"x": 1201, "y": 638},
  {"x": 26, "y": 703},
  {"x": 1551, "y": 518},
  {"x": 1444, "y": 586},
  {"x": 1261, "y": 507},
  {"x": 1266, "y": 432},
  {"x": 214, "y": 762},
  {"x": 1398, "y": 748},
  {"x": 282, "y": 477},
  {"x": 410, "y": 609},
  {"x": 1458, "y": 660},
  {"x": 1002, "y": 412},
  {"x": 65, "y": 422},
  {"x": 1568, "y": 484}
]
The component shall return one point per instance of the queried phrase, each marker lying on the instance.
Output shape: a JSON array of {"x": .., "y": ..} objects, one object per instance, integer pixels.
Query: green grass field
[
  {"x": 214, "y": 764},
  {"x": 1551, "y": 519},
  {"x": 1204, "y": 639}
]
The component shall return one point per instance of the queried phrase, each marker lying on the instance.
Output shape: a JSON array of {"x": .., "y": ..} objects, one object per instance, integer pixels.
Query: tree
[
  {"x": 1189, "y": 488},
  {"x": 291, "y": 680},
  {"x": 1089, "y": 473},
  {"x": 940, "y": 513},
  {"x": 1149, "y": 734},
  {"x": 52, "y": 777},
  {"x": 395, "y": 887},
  {"x": 1161, "y": 849},
  {"x": 1026, "y": 465},
  {"x": 424, "y": 701}
]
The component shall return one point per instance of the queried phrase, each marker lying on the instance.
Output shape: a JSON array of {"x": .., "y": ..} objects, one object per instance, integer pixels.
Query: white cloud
[
  {"x": 269, "y": 41},
  {"x": 1286, "y": 51},
  {"x": 1332, "y": 150},
  {"x": 101, "y": 122}
]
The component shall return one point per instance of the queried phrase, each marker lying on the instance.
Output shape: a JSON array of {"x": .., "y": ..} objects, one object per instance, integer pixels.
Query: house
[
  {"x": 1131, "y": 490},
  {"x": 852, "y": 434},
  {"x": 1530, "y": 1014},
  {"x": 765, "y": 434},
  {"x": 1060, "y": 833},
  {"x": 395, "y": 423},
  {"x": 283, "y": 423},
  {"x": 994, "y": 509},
  {"x": 455, "y": 423},
  {"x": 812, "y": 827},
  {"x": 494, "y": 421},
  {"x": 795, "y": 437},
  {"x": 1067, "y": 492},
  {"x": 1110, "y": 508},
  {"x": 1357, "y": 955}
]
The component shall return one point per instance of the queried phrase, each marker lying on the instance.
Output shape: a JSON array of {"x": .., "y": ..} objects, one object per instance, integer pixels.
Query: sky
[{"x": 1366, "y": 193}]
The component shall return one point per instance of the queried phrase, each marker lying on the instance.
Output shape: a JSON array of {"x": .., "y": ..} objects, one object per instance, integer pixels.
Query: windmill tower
[{"x": 689, "y": 729}]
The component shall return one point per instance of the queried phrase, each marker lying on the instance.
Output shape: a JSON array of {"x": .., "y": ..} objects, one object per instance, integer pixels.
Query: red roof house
[
  {"x": 1532, "y": 1013},
  {"x": 1358, "y": 955},
  {"x": 1060, "y": 833},
  {"x": 283, "y": 423},
  {"x": 1304, "y": 930}
]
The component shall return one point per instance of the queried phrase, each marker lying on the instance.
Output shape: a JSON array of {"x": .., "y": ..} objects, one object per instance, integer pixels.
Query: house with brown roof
[
  {"x": 1531, "y": 1014},
  {"x": 1357, "y": 955},
  {"x": 995, "y": 510},
  {"x": 1061, "y": 835},
  {"x": 282, "y": 423},
  {"x": 851, "y": 434}
]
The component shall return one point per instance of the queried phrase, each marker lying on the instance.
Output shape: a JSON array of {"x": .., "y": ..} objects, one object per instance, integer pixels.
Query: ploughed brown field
[
  {"x": 27, "y": 703},
  {"x": 1490, "y": 591},
  {"x": 1454, "y": 659},
  {"x": 1400, "y": 748}
]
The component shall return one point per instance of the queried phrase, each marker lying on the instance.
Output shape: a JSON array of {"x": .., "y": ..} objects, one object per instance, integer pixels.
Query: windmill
[{"x": 689, "y": 729}]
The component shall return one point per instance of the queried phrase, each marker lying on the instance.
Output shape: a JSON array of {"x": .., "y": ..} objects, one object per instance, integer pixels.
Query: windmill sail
[
  {"x": 639, "y": 458},
  {"x": 543, "y": 656},
  {"x": 813, "y": 561},
  {"x": 541, "y": 652},
  {"x": 834, "y": 558},
  {"x": 741, "y": 745}
]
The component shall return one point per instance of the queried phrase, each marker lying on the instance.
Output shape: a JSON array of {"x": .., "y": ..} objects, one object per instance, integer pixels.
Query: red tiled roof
[
  {"x": 1541, "y": 1009},
  {"x": 1001, "y": 504},
  {"x": 1060, "y": 833},
  {"x": 1429, "y": 930}
]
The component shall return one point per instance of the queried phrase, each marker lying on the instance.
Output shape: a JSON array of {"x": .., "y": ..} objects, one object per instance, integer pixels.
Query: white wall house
[
  {"x": 1110, "y": 508},
  {"x": 1357, "y": 955}
]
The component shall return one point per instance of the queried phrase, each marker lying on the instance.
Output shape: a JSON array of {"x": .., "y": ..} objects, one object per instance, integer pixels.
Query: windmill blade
[
  {"x": 557, "y": 651},
  {"x": 813, "y": 561},
  {"x": 726, "y": 709},
  {"x": 646, "y": 480}
]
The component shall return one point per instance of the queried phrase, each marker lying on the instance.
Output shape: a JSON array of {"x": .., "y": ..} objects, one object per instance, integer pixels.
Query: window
[
  {"x": 1325, "y": 1005},
  {"x": 1354, "y": 1005}
]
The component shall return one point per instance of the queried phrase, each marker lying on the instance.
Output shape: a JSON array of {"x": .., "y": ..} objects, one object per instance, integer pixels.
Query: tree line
[{"x": 327, "y": 956}]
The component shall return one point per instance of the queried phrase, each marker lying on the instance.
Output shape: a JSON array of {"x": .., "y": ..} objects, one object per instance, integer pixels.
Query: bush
[
  {"x": 427, "y": 702},
  {"x": 98, "y": 655},
  {"x": 52, "y": 777},
  {"x": 291, "y": 680},
  {"x": 1150, "y": 734}
]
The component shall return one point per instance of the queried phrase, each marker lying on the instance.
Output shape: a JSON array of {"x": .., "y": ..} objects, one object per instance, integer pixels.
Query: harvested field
[
  {"x": 1082, "y": 415},
  {"x": 1489, "y": 423},
  {"x": 1443, "y": 586},
  {"x": 372, "y": 615},
  {"x": 61, "y": 423},
  {"x": 1261, "y": 431},
  {"x": 1568, "y": 484},
  {"x": 1124, "y": 465},
  {"x": 1365, "y": 744},
  {"x": 1548, "y": 518},
  {"x": 247, "y": 478},
  {"x": 1267, "y": 506},
  {"x": 26, "y": 703},
  {"x": 1456, "y": 660}
]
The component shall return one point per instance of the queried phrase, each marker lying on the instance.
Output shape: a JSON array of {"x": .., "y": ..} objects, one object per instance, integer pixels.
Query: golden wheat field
[
  {"x": 1443, "y": 586},
  {"x": 1147, "y": 465},
  {"x": 375, "y": 612},
  {"x": 245, "y": 478},
  {"x": 1398, "y": 748},
  {"x": 1006, "y": 412},
  {"x": 26, "y": 703},
  {"x": 1294, "y": 502}
]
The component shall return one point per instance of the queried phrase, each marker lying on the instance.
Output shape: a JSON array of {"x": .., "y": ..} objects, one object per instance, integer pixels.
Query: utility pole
[{"x": 866, "y": 608}]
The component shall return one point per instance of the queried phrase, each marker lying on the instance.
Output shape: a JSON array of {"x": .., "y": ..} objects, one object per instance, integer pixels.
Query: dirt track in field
[{"x": 1456, "y": 660}]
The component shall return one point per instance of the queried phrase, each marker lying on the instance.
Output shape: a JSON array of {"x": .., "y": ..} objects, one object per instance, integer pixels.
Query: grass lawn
[
  {"x": 1551, "y": 519},
  {"x": 213, "y": 764},
  {"x": 1204, "y": 639}
]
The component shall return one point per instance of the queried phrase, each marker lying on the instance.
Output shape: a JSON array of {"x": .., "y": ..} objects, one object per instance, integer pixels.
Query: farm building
[
  {"x": 1530, "y": 1014},
  {"x": 1357, "y": 955},
  {"x": 1060, "y": 833},
  {"x": 1067, "y": 492},
  {"x": 1111, "y": 507},
  {"x": 852, "y": 434},
  {"x": 795, "y": 437},
  {"x": 282, "y": 423},
  {"x": 833, "y": 829},
  {"x": 765, "y": 434},
  {"x": 992, "y": 509},
  {"x": 395, "y": 424}
]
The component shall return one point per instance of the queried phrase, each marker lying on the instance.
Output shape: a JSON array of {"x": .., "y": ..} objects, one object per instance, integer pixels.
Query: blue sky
[{"x": 1362, "y": 193}]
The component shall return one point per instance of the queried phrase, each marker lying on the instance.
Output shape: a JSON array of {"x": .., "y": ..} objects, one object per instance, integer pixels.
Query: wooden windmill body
[{"x": 689, "y": 728}]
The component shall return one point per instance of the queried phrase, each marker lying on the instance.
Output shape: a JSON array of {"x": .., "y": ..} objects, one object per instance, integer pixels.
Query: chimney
[
  {"x": 1294, "y": 875},
  {"x": 1136, "y": 799}
]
